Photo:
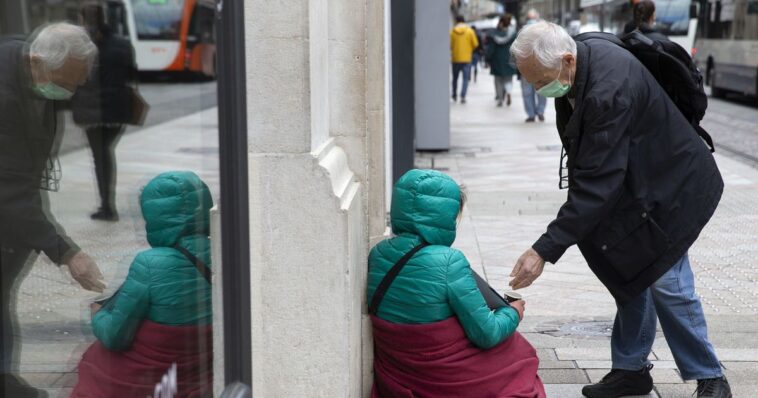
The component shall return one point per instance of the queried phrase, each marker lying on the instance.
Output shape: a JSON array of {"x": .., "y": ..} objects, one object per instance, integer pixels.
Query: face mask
[
  {"x": 555, "y": 88},
  {"x": 52, "y": 91}
]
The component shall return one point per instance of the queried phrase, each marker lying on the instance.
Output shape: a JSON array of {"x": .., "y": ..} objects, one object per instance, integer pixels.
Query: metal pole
[
  {"x": 403, "y": 92},
  {"x": 232, "y": 118}
]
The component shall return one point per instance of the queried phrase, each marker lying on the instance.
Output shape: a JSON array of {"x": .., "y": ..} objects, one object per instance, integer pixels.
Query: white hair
[
  {"x": 546, "y": 41},
  {"x": 57, "y": 42},
  {"x": 532, "y": 14}
]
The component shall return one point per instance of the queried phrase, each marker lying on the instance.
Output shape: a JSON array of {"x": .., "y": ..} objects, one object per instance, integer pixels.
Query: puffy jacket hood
[
  {"x": 426, "y": 203},
  {"x": 175, "y": 204}
]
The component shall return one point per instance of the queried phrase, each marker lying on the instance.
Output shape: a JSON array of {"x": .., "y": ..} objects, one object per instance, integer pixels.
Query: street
[
  {"x": 732, "y": 124},
  {"x": 167, "y": 100}
]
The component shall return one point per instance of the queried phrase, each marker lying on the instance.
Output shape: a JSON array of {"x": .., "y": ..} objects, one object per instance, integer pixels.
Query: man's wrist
[{"x": 547, "y": 250}]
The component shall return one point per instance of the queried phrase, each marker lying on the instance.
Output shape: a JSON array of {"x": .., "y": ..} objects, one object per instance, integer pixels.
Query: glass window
[
  {"x": 109, "y": 168},
  {"x": 672, "y": 17},
  {"x": 158, "y": 19}
]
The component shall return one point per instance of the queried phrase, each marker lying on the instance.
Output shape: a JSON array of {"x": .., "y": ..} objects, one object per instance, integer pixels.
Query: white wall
[{"x": 317, "y": 125}]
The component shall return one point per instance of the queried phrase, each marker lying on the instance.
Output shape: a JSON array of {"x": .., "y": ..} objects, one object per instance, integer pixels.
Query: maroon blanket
[
  {"x": 135, "y": 372},
  {"x": 438, "y": 360}
]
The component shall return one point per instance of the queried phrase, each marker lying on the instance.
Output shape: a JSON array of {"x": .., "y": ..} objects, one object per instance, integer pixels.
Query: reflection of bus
[
  {"x": 168, "y": 35},
  {"x": 727, "y": 46},
  {"x": 676, "y": 19}
]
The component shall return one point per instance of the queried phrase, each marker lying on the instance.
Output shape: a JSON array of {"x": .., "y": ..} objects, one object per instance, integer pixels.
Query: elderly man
[
  {"x": 35, "y": 76},
  {"x": 642, "y": 185}
]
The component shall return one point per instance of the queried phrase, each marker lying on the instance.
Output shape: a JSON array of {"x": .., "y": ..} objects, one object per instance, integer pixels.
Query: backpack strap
[
  {"x": 376, "y": 301},
  {"x": 202, "y": 268}
]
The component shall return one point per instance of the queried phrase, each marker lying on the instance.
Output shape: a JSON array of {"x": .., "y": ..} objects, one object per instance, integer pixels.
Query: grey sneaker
[{"x": 713, "y": 388}]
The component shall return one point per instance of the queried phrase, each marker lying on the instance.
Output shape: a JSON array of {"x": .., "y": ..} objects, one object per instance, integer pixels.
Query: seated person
[
  {"x": 434, "y": 335},
  {"x": 161, "y": 315}
]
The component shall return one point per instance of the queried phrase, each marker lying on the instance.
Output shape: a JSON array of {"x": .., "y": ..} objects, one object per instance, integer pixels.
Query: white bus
[{"x": 727, "y": 46}]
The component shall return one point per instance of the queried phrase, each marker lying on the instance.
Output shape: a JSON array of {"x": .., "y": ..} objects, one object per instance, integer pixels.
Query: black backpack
[{"x": 672, "y": 67}]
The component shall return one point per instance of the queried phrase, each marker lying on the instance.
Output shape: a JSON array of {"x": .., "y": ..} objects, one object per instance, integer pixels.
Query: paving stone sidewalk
[{"x": 510, "y": 169}]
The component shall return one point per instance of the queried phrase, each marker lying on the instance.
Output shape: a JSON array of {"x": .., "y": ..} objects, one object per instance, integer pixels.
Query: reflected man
[{"x": 35, "y": 76}]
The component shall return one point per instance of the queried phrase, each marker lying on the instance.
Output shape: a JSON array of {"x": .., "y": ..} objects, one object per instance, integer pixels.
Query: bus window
[
  {"x": 672, "y": 17},
  {"x": 158, "y": 19}
]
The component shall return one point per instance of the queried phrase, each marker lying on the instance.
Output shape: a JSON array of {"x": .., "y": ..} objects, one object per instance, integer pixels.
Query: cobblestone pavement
[{"x": 510, "y": 169}]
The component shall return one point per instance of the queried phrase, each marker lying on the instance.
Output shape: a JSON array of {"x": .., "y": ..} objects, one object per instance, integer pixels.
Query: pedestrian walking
[
  {"x": 434, "y": 333},
  {"x": 644, "y": 20},
  {"x": 35, "y": 76},
  {"x": 632, "y": 24},
  {"x": 105, "y": 104},
  {"x": 463, "y": 42},
  {"x": 478, "y": 54},
  {"x": 534, "y": 102},
  {"x": 642, "y": 185},
  {"x": 499, "y": 59}
]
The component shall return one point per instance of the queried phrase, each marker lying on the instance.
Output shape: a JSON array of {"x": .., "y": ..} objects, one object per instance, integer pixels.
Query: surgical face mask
[
  {"x": 52, "y": 91},
  {"x": 555, "y": 88}
]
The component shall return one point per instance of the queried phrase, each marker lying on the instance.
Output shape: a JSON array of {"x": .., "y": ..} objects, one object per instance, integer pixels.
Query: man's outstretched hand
[
  {"x": 84, "y": 270},
  {"x": 527, "y": 269}
]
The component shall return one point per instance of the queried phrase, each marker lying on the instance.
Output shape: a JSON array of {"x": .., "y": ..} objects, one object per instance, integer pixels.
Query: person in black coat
[
  {"x": 642, "y": 185},
  {"x": 104, "y": 104},
  {"x": 36, "y": 74}
]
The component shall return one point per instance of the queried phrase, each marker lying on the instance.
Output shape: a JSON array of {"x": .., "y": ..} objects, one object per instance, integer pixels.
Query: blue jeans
[
  {"x": 457, "y": 69},
  {"x": 671, "y": 299},
  {"x": 533, "y": 102}
]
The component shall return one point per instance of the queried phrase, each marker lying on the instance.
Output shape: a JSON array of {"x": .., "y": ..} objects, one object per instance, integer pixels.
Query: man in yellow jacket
[{"x": 463, "y": 42}]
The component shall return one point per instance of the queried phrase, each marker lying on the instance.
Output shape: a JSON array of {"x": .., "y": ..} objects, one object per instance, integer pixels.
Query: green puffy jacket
[
  {"x": 498, "y": 52},
  {"x": 163, "y": 286},
  {"x": 437, "y": 282}
]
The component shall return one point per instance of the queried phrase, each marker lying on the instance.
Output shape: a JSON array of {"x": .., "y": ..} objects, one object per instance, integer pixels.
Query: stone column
[{"x": 316, "y": 135}]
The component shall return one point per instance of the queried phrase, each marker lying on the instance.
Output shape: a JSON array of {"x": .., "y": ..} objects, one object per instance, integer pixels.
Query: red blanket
[
  {"x": 438, "y": 360},
  {"x": 136, "y": 371}
]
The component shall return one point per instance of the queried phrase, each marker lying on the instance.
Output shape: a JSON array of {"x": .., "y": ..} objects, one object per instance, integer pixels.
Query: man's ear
[
  {"x": 35, "y": 60},
  {"x": 569, "y": 59}
]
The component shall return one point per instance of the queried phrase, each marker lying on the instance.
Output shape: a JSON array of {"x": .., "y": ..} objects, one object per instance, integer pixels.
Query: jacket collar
[{"x": 568, "y": 118}]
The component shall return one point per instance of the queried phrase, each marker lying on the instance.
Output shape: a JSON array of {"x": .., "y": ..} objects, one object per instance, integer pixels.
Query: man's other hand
[
  {"x": 527, "y": 269},
  {"x": 84, "y": 270}
]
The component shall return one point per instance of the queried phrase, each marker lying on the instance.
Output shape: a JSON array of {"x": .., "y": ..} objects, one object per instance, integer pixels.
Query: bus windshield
[
  {"x": 672, "y": 17},
  {"x": 158, "y": 19}
]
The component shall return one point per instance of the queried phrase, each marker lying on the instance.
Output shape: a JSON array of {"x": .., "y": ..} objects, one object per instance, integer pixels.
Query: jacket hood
[
  {"x": 426, "y": 203},
  {"x": 175, "y": 204},
  {"x": 461, "y": 28}
]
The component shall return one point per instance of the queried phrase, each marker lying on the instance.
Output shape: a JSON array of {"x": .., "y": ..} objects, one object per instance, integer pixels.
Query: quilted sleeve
[
  {"x": 484, "y": 327},
  {"x": 116, "y": 324}
]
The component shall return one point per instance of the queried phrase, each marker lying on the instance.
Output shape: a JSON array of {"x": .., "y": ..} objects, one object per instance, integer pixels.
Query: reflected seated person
[
  {"x": 434, "y": 334},
  {"x": 161, "y": 315}
]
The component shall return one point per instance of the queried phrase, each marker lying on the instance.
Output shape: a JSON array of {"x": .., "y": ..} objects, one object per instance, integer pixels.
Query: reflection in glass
[
  {"x": 74, "y": 102},
  {"x": 158, "y": 19}
]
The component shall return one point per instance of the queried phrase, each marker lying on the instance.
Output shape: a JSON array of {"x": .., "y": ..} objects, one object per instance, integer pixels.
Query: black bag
[{"x": 672, "y": 67}]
